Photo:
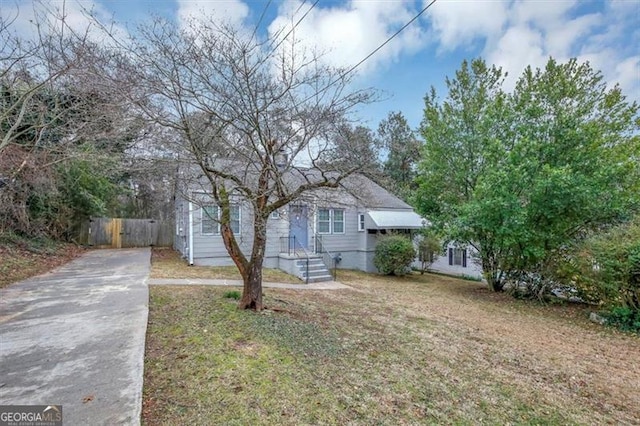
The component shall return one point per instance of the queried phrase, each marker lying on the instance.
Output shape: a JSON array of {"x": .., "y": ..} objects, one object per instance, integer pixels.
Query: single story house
[
  {"x": 330, "y": 228},
  {"x": 456, "y": 260}
]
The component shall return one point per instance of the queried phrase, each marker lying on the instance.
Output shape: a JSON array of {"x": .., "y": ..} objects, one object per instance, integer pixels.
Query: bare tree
[
  {"x": 29, "y": 67},
  {"x": 58, "y": 118},
  {"x": 254, "y": 117}
]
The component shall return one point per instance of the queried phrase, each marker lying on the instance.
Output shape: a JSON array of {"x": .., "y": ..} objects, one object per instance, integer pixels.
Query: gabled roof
[
  {"x": 372, "y": 195},
  {"x": 366, "y": 191}
]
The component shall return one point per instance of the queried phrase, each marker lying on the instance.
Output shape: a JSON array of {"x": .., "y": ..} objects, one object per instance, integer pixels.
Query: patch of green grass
[
  {"x": 211, "y": 368},
  {"x": 232, "y": 294}
]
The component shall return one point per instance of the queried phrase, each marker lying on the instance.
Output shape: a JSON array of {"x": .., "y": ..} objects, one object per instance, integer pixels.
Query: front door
[{"x": 299, "y": 225}]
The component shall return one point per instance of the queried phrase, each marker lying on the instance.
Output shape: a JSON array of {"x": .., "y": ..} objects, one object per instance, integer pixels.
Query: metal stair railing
[
  {"x": 327, "y": 257},
  {"x": 294, "y": 248},
  {"x": 306, "y": 255}
]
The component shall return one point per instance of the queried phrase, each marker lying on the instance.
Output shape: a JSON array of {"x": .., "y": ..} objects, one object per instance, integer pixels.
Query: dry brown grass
[
  {"x": 419, "y": 350},
  {"x": 167, "y": 263},
  {"x": 22, "y": 258}
]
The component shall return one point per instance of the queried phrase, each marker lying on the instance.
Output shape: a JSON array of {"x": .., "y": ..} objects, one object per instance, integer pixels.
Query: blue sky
[{"x": 511, "y": 34}]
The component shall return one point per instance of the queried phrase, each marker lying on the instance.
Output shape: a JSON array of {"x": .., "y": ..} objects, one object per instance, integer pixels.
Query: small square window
[
  {"x": 210, "y": 219},
  {"x": 330, "y": 221}
]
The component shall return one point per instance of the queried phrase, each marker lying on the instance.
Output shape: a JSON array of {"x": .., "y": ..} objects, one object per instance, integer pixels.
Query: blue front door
[{"x": 299, "y": 225}]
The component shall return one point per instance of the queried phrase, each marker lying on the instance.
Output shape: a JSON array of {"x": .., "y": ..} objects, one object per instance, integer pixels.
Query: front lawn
[
  {"x": 167, "y": 263},
  {"x": 420, "y": 350}
]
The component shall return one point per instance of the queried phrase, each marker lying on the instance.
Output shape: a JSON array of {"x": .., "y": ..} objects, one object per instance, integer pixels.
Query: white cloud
[
  {"x": 627, "y": 74},
  {"x": 347, "y": 34},
  {"x": 562, "y": 38},
  {"x": 27, "y": 15},
  {"x": 515, "y": 34},
  {"x": 543, "y": 14},
  {"x": 457, "y": 23},
  {"x": 233, "y": 12},
  {"x": 517, "y": 48}
]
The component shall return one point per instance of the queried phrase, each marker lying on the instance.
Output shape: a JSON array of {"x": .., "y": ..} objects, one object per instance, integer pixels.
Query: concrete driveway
[{"x": 75, "y": 337}]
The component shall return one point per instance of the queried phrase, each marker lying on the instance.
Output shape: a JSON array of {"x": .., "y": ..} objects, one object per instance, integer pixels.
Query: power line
[
  {"x": 296, "y": 24},
  {"x": 353, "y": 68},
  {"x": 264, "y": 11}
]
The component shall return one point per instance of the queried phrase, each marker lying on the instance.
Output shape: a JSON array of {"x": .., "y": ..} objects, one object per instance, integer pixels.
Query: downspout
[
  {"x": 314, "y": 219},
  {"x": 190, "y": 233}
]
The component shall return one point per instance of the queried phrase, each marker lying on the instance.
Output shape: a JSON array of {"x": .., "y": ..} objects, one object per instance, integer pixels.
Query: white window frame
[
  {"x": 275, "y": 214},
  {"x": 331, "y": 221},
  {"x": 458, "y": 257},
  {"x": 458, "y": 254},
  {"x": 216, "y": 220},
  {"x": 361, "y": 222}
]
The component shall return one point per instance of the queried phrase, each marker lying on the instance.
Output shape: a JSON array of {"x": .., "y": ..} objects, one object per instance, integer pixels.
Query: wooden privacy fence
[{"x": 124, "y": 233}]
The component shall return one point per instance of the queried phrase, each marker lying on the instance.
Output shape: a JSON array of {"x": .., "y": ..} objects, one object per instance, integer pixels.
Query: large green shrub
[
  {"x": 394, "y": 255},
  {"x": 625, "y": 319},
  {"x": 607, "y": 268}
]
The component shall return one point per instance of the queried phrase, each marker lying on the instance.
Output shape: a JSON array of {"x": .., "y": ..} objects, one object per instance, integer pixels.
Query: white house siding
[
  {"x": 472, "y": 269},
  {"x": 209, "y": 250},
  {"x": 350, "y": 244},
  {"x": 276, "y": 229}
]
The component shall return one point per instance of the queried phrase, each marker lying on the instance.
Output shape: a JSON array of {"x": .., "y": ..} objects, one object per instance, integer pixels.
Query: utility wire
[
  {"x": 353, "y": 68},
  {"x": 296, "y": 24},
  {"x": 264, "y": 11}
]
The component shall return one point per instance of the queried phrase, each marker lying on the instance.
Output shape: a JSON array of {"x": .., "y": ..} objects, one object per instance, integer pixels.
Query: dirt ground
[
  {"x": 22, "y": 259},
  {"x": 550, "y": 348}
]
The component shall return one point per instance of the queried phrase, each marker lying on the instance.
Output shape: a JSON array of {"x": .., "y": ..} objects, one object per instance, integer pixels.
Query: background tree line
[{"x": 70, "y": 147}]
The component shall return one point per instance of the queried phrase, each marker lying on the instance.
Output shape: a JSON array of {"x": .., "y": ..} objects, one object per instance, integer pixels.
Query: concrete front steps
[{"x": 318, "y": 271}]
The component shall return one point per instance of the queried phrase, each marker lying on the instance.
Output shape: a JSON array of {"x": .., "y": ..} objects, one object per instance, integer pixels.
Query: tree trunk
[
  {"x": 492, "y": 273},
  {"x": 495, "y": 284},
  {"x": 252, "y": 292}
]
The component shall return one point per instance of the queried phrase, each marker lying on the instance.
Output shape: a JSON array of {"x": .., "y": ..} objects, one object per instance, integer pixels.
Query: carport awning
[{"x": 393, "y": 219}]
